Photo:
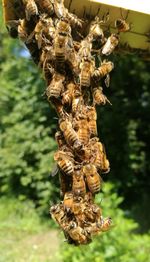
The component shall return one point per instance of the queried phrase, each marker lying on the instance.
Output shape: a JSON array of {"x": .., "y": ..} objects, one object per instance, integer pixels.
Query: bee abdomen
[{"x": 67, "y": 167}]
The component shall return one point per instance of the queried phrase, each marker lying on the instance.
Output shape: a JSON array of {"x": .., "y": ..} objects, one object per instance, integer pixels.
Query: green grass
[{"x": 23, "y": 236}]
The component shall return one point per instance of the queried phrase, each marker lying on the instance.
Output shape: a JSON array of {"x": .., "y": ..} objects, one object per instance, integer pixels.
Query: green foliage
[
  {"x": 27, "y": 133},
  {"x": 120, "y": 244}
]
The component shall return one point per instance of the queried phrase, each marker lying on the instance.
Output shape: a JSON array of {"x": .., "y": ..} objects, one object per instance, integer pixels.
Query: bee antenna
[
  {"x": 70, "y": 3},
  {"x": 121, "y": 12}
]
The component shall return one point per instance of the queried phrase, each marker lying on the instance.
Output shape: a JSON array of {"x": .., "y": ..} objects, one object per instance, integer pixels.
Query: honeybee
[
  {"x": 106, "y": 224},
  {"x": 22, "y": 30},
  {"x": 74, "y": 20},
  {"x": 93, "y": 213},
  {"x": 61, "y": 40},
  {"x": 46, "y": 6},
  {"x": 77, "y": 233},
  {"x": 67, "y": 96},
  {"x": 105, "y": 68},
  {"x": 98, "y": 97},
  {"x": 92, "y": 178},
  {"x": 68, "y": 202},
  {"x": 110, "y": 44},
  {"x": 85, "y": 49},
  {"x": 56, "y": 86},
  {"x": 93, "y": 229},
  {"x": 122, "y": 25},
  {"x": 59, "y": 215},
  {"x": 70, "y": 134},
  {"x": 65, "y": 183},
  {"x": 100, "y": 160},
  {"x": 77, "y": 100},
  {"x": 12, "y": 27},
  {"x": 60, "y": 9},
  {"x": 95, "y": 30},
  {"x": 87, "y": 69},
  {"x": 30, "y": 8},
  {"x": 83, "y": 131},
  {"x": 59, "y": 139},
  {"x": 65, "y": 162},
  {"x": 78, "y": 185},
  {"x": 92, "y": 117}
]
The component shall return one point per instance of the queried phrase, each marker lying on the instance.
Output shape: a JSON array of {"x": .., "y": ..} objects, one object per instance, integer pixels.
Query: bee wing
[
  {"x": 55, "y": 170},
  {"x": 107, "y": 80}
]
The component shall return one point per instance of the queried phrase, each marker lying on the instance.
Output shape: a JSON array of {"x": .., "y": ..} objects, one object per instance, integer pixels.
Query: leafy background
[{"x": 28, "y": 125}]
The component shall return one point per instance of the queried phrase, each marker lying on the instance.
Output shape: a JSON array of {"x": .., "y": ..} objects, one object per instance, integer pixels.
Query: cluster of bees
[{"x": 69, "y": 51}]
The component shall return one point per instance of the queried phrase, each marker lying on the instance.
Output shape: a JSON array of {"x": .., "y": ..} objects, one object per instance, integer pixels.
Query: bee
[
  {"x": 98, "y": 97},
  {"x": 106, "y": 224},
  {"x": 110, "y": 45},
  {"x": 92, "y": 178},
  {"x": 77, "y": 101},
  {"x": 92, "y": 117},
  {"x": 95, "y": 30},
  {"x": 70, "y": 134},
  {"x": 30, "y": 9},
  {"x": 60, "y": 9},
  {"x": 85, "y": 49},
  {"x": 56, "y": 86},
  {"x": 87, "y": 69},
  {"x": 83, "y": 131},
  {"x": 59, "y": 215},
  {"x": 22, "y": 30},
  {"x": 93, "y": 229},
  {"x": 46, "y": 6},
  {"x": 67, "y": 96},
  {"x": 68, "y": 202},
  {"x": 12, "y": 27},
  {"x": 93, "y": 213},
  {"x": 100, "y": 160},
  {"x": 59, "y": 139},
  {"x": 105, "y": 68},
  {"x": 65, "y": 162},
  {"x": 122, "y": 25},
  {"x": 78, "y": 185},
  {"x": 61, "y": 40},
  {"x": 65, "y": 183},
  {"x": 77, "y": 233},
  {"x": 74, "y": 20}
]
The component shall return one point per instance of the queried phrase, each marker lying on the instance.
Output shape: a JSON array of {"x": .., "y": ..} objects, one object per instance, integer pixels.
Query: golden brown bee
[
  {"x": 22, "y": 30},
  {"x": 98, "y": 97},
  {"x": 61, "y": 40},
  {"x": 122, "y": 25},
  {"x": 110, "y": 44},
  {"x": 56, "y": 86},
  {"x": 59, "y": 8},
  {"x": 85, "y": 49},
  {"x": 59, "y": 139},
  {"x": 100, "y": 160},
  {"x": 59, "y": 215},
  {"x": 87, "y": 69},
  {"x": 93, "y": 213},
  {"x": 45, "y": 6},
  {"x": 95, "y": 30},
  {"x": 65, "y": 183},
  {"x": 92, "y": 178},
  {"x": 77, "y": 233},
  {"x": 77, "y": 101},
  {"x": 92, "y": 117},
  {"x": 67, "y": 96},
  {"x": 103, "y": 70},
  {"x": 106, "y": 224},
  {"x": 30, "y": 8},
  {"x": 78, "y": 185},
  {"x": 65, "y": 162},
  {"x": 68, "y": 202},
  {"x": 83, "y": 131},
  {"x": 70, "y": 134},
  {"x": 74, "y": 20}
]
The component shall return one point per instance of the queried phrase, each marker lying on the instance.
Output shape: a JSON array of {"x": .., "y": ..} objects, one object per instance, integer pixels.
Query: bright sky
[{"x": 142, "y": 6}]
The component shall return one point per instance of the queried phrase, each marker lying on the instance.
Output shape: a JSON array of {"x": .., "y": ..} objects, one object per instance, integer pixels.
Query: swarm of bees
[{"x": 65, "y": 48}]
